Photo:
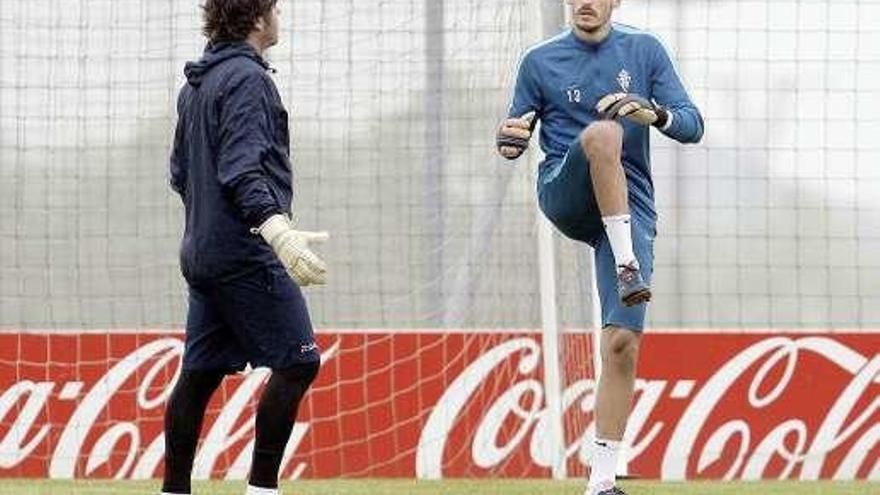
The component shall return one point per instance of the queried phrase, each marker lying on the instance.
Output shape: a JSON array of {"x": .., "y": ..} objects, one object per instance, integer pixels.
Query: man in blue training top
[
  {"x": 597, "y": 88},
  {"x": 240, "y": 253}
]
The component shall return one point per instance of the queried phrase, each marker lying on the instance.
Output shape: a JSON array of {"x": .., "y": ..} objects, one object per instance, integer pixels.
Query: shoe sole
[{"x": 638, "y": 297}]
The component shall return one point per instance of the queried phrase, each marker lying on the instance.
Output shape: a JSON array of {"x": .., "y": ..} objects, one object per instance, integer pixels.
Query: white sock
[
  {"x": 256, "y": 490},
  {"x": 619, "y": 233},
  {"x": 604, "y": 465}
]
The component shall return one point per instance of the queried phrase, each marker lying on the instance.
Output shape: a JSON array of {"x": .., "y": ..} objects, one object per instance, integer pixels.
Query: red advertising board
[{"x": 725, "y": 405}]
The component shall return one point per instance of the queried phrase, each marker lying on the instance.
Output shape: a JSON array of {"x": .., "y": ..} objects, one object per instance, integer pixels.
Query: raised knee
[{"x": 602, "y": 136}]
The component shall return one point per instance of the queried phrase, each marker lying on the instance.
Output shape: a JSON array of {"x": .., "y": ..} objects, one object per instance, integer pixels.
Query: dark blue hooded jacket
[{"x": 230, "y": 162}]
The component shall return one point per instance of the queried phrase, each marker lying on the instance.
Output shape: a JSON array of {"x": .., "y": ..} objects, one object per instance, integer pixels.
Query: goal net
[{"x": 434, "y": 325}]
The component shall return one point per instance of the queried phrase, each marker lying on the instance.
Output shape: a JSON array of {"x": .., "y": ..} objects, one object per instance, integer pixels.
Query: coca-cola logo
[
  {"x": 791, "y": 441},
  {"x": 803, "y": 407},
  {"x": 809, "y": 450}
]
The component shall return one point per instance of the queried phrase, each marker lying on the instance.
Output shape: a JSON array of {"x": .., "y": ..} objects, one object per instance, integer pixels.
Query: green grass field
[{"x": 448, "y": 487}]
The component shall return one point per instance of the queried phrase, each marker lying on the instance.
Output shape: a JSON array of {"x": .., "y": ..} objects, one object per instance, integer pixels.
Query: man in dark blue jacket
[{"x": 240, "y": 253}]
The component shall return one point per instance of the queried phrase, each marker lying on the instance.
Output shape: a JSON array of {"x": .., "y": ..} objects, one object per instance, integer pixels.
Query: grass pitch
[{"x": 446, "y": 487}]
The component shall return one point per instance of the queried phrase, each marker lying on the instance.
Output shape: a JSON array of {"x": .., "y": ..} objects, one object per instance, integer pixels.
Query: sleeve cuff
[{"x": 670, "y": 116}]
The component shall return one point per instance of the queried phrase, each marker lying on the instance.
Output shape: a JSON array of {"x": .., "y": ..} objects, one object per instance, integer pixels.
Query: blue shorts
[
  {"x": 258, "y": 318},
  {"x": 565, "y": 194}
]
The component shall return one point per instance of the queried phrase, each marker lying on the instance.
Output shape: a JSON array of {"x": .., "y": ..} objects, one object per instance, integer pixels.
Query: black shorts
[{"x": 258, "y": 318}]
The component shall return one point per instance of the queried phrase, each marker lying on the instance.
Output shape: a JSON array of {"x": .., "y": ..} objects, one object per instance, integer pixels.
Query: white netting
[{"x": 773, "y": 221}]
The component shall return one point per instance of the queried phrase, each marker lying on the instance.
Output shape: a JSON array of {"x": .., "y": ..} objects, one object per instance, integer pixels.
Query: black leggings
[
  {"x": 275, "y": 417},
  {"x": 276, "y": 414}
]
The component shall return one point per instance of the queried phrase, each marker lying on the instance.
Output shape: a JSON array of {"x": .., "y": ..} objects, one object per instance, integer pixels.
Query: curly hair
[{"x": 233, "y": 20}]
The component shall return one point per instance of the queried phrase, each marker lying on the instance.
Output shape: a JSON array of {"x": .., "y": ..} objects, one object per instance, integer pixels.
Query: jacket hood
[{"x": 217, "y": 53}]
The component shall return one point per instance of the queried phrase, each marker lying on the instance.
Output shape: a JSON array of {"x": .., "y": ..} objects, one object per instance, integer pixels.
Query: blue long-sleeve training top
[
  {"x": 230, "y": 162},
  {"x": 564, "y": 77}
]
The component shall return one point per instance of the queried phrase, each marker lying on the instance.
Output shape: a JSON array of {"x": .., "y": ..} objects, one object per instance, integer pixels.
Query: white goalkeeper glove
[
  {"x": 292, "y": 248},
  {"x": 633, "y": 107}
]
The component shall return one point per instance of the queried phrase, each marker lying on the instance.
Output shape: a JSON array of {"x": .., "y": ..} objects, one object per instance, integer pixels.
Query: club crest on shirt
[{"x": 624, "y": 79}]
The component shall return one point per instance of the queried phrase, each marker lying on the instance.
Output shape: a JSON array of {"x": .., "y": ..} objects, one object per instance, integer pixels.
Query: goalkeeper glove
[
  {"x": 514, "y": 134},
  {"x": 633, "y": 107},
  {"x": 292, "y": 248}
]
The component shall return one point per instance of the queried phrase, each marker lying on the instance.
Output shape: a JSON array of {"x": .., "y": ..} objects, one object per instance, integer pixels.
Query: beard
[{"x": 590, "y": 20}]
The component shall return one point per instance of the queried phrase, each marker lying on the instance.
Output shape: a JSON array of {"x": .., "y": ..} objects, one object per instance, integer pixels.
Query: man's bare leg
[
  {"x": 602, "y": 141},
  {"x": 620, "y": 351}
]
